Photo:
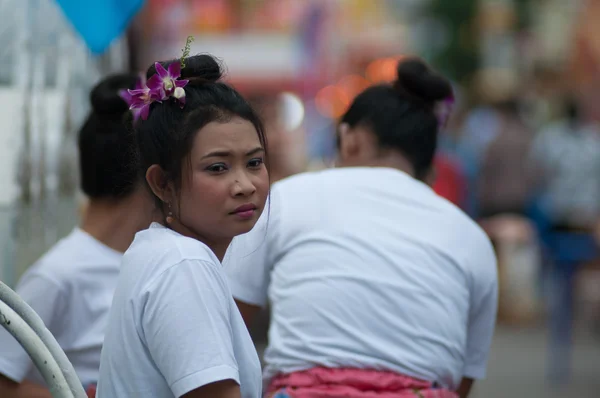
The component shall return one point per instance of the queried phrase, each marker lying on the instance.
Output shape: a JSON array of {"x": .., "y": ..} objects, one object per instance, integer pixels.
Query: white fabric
[
  {"x": 369, "y": 268},
  {"x": 71, "y": 289},
  {"x": 174, "y": 326}
]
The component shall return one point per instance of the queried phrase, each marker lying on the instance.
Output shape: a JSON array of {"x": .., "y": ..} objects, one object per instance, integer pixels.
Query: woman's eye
[
  {"x": 216, "y": 168},
  {"x": 255, "y": 163}
]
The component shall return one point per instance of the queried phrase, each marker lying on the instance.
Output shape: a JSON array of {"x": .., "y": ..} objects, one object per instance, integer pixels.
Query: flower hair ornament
[
  {"x": 443, "y": 110},
  {"x": 162, "y": 86}
]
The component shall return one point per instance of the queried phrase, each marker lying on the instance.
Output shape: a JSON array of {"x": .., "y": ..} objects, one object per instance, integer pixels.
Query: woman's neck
[
  {"x": 115, "y": 222},
  {"x": 219, "y": 249}
]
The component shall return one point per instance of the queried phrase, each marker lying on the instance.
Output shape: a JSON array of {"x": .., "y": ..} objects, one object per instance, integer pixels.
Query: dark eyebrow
[
  {"x": 255, "y": 151},
  {"x": 224, "y": 154}
]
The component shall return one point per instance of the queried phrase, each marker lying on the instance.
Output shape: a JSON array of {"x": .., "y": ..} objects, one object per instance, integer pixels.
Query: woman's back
[
  {"x": 368, "y": 271},
  {"x": 71, "y": 289}
]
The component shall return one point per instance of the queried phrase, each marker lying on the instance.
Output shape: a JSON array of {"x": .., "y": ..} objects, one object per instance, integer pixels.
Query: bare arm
[
  {"x": 26, "y": 389},
  {"x": 465, "y": 387},
  {"x": 220, "y": 389},
  {"x": 248, "y": 311}
]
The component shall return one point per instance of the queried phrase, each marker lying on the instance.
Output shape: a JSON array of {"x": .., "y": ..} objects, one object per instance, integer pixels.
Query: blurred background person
[
  {"x": 566, "y": 152},
  {"x": 71, "y": 286},
  {"x": 506, "y": 187}
]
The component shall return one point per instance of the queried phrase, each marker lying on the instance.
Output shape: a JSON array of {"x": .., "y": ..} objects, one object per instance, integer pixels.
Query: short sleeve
[
  {"x": 249, "y": 258},
  {"x": 482, "y": 311},
  {"x": 47, "y": 299},
  {"x": 186, "y": 326}
]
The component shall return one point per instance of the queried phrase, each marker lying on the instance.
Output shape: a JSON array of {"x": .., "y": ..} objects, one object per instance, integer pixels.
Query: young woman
[
  {"x": 174, "y": 329},
  {"x": 72, "y": 285},
  {"x": 378, "y": 287}
]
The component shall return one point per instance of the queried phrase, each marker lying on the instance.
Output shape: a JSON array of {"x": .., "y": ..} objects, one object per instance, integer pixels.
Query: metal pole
[{"x": 28, "y": 316}]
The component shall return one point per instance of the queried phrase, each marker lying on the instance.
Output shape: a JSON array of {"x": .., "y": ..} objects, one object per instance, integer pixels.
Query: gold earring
[{"x": 169, "y": 218}]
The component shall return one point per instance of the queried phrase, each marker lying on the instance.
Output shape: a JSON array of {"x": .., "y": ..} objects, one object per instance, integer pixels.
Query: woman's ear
[{"x": 159, "y": 184}]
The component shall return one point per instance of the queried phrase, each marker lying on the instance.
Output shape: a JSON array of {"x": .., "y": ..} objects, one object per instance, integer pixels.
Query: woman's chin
[{"x": 244, "y": 228}]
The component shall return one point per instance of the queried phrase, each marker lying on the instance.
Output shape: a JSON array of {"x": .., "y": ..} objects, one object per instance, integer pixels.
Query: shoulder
[
  {"x": 158, "y": 252},
  {"x": 68, "y": 259},
  {"x": 466, "y": 238},
  {"x": 324, "y": 176},
  {"x": 288, "y": 193},
  {"x": 308, "y": 184},
  {"x": 477, "y": 249},
  {"x": 162, "y": 243},
  {"x": 299, "y": 180},
  {"x": 187, "y": 275},
  {"x": 469, "y": 229}
]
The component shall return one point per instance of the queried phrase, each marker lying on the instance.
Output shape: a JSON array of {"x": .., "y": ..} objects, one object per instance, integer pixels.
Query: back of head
[
  {"x": 166, "y": 137},
  {"x": 404, "y": 115},
  {"x": 106, "y": 142},
  {"x": 572, "y": 111}
]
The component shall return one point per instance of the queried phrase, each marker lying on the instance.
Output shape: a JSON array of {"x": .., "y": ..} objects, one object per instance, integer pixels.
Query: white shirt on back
[
  {"x": 174, "y": 326},
  {"x": 369, "y": 268},
  {"x": 71, "y": 289}
]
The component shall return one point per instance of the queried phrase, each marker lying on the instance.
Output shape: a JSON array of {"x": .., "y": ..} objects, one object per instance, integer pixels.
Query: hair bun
[
  {"x": 418, "y": 80},
  {"x": 105, "y": 97},
  {"x": 198, "y": 69}
]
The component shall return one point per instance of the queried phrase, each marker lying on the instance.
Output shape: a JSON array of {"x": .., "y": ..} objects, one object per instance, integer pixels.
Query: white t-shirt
[
  {"x": 174, "y": 326},
  {"x": 71, "y": 289},
  {"x": 369, "y": 268}
]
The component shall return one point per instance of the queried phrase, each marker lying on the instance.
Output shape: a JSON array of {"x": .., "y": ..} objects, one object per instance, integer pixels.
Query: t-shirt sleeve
[
  {"x": 186, "y": 326},
  {"x": 483, "y": 309},
  {"x": 47, "y": 299},
  {"x": 249, "y": 258}
]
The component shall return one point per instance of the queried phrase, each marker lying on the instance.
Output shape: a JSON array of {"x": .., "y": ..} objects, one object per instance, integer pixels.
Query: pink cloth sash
[{"x": 352, "y": 383}]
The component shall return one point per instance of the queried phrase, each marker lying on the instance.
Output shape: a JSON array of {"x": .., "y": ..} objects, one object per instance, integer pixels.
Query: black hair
[
  {"x": 572, "y": 111},
  {"x": 402, "y": 114},
  {"x": 105, "y": 142},
  {"x": 165, "y": 138}
]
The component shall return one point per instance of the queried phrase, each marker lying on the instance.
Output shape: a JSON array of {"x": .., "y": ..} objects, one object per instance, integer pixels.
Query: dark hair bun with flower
[
  {"x": 174, "y": 102},
  {"x": 105, "y": 97},
  {"x": 198, "y": 69},
  {"x": 416, "y": 79}
]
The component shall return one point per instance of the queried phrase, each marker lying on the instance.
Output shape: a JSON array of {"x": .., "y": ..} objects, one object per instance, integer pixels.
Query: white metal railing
[{"x": 29, "y": 330}]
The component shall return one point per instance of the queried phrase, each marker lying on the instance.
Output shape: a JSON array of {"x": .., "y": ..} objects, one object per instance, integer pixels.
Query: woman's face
[{"x": 224, "y": 189}]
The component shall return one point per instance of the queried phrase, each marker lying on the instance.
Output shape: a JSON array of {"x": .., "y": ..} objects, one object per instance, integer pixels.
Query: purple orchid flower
[
  {"x": 139, "y": 99},
  {"x": 165, "y": 83},
  {"x": 444, "y": 110},
  {"x": 159, "y": 87},
  {"x": 139, "y": 84}
]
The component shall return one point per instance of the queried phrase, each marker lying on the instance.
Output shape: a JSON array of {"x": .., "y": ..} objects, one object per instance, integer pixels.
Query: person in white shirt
[
  {"x": 71, "y": 286},
  {"x": 174, "y": 329},
  {"x": 375, "y": 283}
]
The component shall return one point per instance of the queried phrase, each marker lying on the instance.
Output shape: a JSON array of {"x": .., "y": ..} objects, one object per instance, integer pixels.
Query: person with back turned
[
  {"x": 71, "y": 286},
  {"x": 378, "y": 287}
]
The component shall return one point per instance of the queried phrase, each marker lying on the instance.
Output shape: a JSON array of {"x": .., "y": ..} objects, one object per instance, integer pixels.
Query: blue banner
[{"x": 99, "y": 22}]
